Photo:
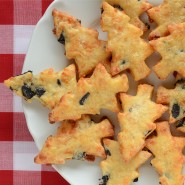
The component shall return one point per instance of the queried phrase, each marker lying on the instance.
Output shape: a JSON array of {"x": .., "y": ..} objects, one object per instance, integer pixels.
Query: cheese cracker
[
  {"x": 172, "y": 50},
  {"x": 78, "y": 140},
  {"x": 168, "y": 158},
  {"x": 137, "y": 120},
  {"x": 81, "y": 44},
  {"x": 133, "y": 8},
  {"x": 47, "y": 87},
  {"x": 115, "y": 170},
  {"x": 128, "y": 50},
  {"x": 92, "y": 94},
  {"x": 167, "y": 13}
]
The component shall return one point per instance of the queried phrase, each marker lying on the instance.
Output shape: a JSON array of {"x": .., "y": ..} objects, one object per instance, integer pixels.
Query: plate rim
[{"x": 44, "y": 16}]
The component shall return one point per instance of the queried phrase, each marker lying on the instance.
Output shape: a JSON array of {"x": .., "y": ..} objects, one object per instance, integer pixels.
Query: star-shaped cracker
[
  {"x": 115, "y": 170},
  {"x": 129, "y": 51},
  {"x": 168, "y": 155},
  {"x": 137, "y": 120},
  {"x": 75, "y": 140},
  {"x": 133, "y": 8},
  {"x": 47, "y": 87},
  {"x": 167, "y": 13},
  {"x": 172, "y": 50},
  {"x": 175, "y": 98},
  {"x": 81, "y": 44},
  {"x": 92, "y": 94}
]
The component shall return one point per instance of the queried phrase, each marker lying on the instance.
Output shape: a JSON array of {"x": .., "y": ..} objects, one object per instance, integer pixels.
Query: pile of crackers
[{"x": 97, "y": 81}]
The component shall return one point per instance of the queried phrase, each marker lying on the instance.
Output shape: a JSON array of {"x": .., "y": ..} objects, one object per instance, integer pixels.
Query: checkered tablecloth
[{"x": 17, "y": 149}]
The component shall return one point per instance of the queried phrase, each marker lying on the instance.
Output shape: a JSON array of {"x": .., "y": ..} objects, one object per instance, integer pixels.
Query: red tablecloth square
[
  {"x": 6, "y": 66},
  {"x": 6, "y": 129},
  {"x": 6, "y": 177},
  {"x": 6, "y": 11}
]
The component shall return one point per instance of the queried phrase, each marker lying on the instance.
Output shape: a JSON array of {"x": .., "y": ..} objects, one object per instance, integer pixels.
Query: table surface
[{"x": 17, "y": 148}]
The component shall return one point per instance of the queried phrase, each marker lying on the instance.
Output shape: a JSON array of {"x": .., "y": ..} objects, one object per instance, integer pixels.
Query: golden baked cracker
[
  {"x": 129, "y": 51},
  {"x": 168, "y": 159},
  {"x": 175, "y": 98},
  {"x": 133, "y": 8},
  {"x": 75, "y": 140},
  {"x": 47, "y": 87},
  {"x": 92, "y": 94},
  {"x": 167, "y": 13},
  {"x": 66, "y": 20},
  {"x": 172, "y": 50},
  {"x": 81, "y": 44},
  {"x": 115, "y": 170},
  {"x": 137, "y": 120}
]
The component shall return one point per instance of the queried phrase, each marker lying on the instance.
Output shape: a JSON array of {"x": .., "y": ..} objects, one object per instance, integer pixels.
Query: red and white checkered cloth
[{"x": 17, "y": 149}]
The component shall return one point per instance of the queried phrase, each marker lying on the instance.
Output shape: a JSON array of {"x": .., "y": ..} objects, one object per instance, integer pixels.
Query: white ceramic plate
[{"x": 45, "y": 52}]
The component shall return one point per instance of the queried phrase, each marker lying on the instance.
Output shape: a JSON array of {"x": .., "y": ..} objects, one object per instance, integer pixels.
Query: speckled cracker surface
[
  {"x": 81, "y": 44},
  {"x": 47, "y": 87},
  {"x": 175, "y": 98},
  {"x": 133, "y": 8},
  {"x": 115, "y": 170},
  {"x": 78, "y": 140},
  {"x": 66, "y": 21},
  {"x": 172, "y": 50},
  {"x": 169, "y": 12},
  {"x": 137, "y": 120},
  {"x": 168, "y": 158},
  {"x": 92, "y": 94},
  {"x": 128, "y": 50}
]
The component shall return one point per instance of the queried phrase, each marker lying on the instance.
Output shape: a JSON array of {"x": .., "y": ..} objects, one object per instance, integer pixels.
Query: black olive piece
[
  {"x": 79, "y": 21},
  {"x": 181, "y": 123},
  {"x": 82, "y": 100},
  {"x": 136, "y": 180},
  {"x": 180, "y": 81},
  {"x": 130, "y": 110},
  {"x": 122, "y": 62},
  {"x": 104, "y": 179},
  {"x": 118, "y": 7},
  {"x": 175, "y": 110},
  {"x": 27, "y": 92},
  {"x": 62, "y": 38},
  {"x": 102, "y": 10},
  {"x": 59, "y": 82},
  {"x": 29, "y": 71},
  {"x": 40, "y": 91},
  {"x": 107, "y": 151},
  {"x": 11, "y": 88},
  {"x": 147, "y": 25},
  {"x": 183, "y": 86}
]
